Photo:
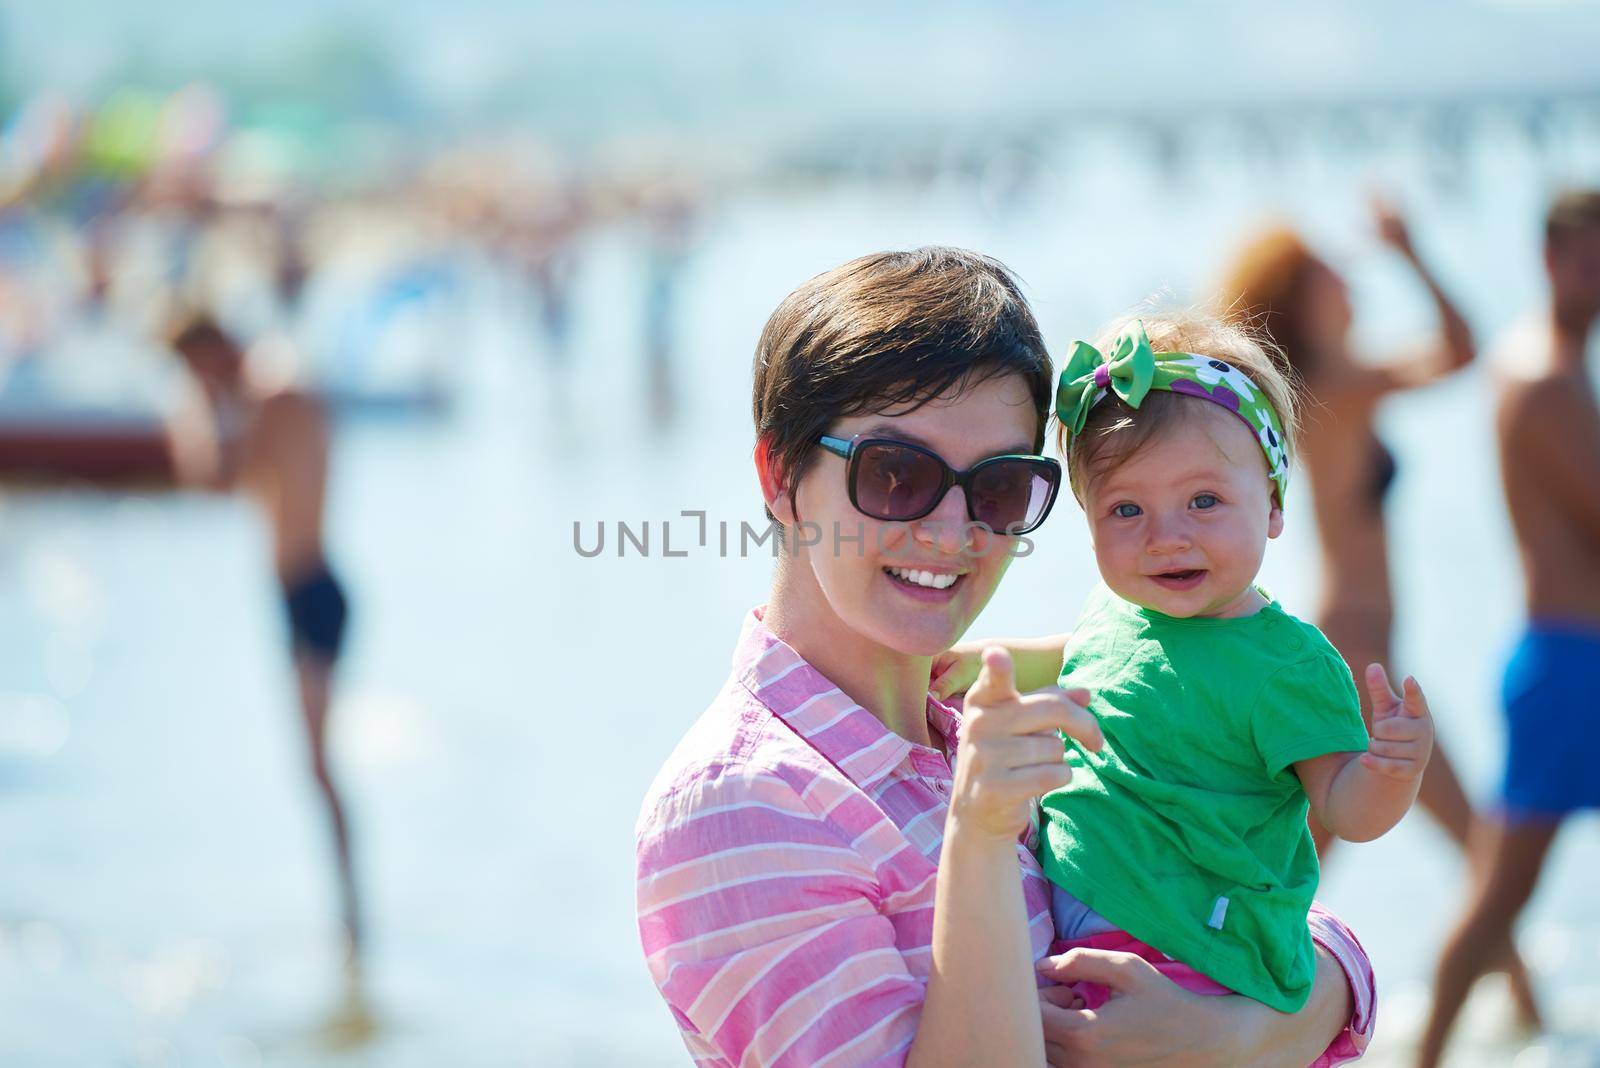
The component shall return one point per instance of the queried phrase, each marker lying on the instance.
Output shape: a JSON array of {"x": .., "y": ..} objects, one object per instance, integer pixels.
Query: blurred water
[{"x": 166, "y": 897}]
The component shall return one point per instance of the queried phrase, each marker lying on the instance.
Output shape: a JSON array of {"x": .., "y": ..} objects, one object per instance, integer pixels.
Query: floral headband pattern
[{"x": 1132, "y": 370}]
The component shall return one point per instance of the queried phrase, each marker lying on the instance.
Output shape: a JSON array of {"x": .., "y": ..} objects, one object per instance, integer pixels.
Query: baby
[{"x": 1184, "y": 839}]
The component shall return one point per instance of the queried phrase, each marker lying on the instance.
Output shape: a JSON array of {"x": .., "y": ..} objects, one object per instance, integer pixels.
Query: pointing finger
[{"x": 997, "y": 679}]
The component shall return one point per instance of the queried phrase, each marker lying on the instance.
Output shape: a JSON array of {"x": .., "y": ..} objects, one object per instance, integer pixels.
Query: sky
[{"x": 604, "y": 62}]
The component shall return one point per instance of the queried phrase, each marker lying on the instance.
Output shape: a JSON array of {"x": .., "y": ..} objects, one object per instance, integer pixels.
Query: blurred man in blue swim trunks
[{"x": 1548, "y": 425}]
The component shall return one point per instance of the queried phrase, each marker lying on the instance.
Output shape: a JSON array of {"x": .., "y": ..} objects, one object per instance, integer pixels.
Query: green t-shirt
[{"x": 1188, "y": 830}]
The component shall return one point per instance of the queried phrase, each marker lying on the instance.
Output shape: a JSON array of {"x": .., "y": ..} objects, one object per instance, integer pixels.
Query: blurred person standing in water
[
  {"x": 1548, "y": 427},
  {"x": 234, "y": 432},
  {"x": 1277, "y": 284},
  {"x": 669, "y": 219}
]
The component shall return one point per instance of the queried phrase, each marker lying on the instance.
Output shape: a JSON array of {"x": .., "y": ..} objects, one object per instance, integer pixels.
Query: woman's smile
[{"x": 925, "y": 585}]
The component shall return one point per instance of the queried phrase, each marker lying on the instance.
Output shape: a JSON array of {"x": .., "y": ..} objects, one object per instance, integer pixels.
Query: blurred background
[{"x": 519, "y": 256}]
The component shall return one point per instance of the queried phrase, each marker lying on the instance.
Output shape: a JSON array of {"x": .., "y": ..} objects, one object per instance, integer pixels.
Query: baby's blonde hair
[{"x": 1114, "y": 432}]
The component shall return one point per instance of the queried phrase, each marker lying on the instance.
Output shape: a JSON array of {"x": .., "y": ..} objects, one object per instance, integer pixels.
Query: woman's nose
[{"x": 945, "y": 528}]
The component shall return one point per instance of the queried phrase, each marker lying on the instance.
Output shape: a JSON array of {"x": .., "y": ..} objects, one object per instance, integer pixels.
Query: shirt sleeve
[
  {"x": 1305, "y": 710},
  {"x": 1329, "y": 932},
  {"x": 763, "y": 931}
]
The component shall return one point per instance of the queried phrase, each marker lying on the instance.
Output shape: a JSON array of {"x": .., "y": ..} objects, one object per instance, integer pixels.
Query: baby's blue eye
[
  {"x": 1127, "y": 511},
  {"x": 1205, "y": 500}
]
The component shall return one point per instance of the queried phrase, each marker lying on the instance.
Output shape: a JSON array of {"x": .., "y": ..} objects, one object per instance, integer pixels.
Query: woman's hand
[
  {"x": 1151, "y": 1020},
  {"x": 1391, "y": 227},
  {"x": 1010, "y": 752},
  {"x": 1455, "y": 348},
  {"x": 981, "y": 1007}
]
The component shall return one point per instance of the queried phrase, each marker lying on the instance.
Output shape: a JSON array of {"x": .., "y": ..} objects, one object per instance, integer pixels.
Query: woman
[
  {"x": 1277, "y": 284},
  {"x": 815, "y": 884}
]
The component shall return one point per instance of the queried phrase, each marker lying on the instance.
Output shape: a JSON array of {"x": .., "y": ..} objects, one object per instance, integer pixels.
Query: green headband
[{"x": 1132, "y": 371}]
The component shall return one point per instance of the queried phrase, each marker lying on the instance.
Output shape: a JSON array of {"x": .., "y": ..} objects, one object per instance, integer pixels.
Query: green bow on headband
[
  {"x": 1128, "y": 373},
  {"x": 1133, "y": 370}
]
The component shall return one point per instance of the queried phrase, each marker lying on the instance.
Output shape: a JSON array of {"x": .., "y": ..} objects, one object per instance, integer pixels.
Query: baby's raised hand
[{"x": 1402, "y": 728}]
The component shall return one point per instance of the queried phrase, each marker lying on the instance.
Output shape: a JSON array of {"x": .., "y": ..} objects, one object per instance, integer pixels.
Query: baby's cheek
[
  {"x": 1247, "y": 546},
  {"x": 1122, "y": 575},
  {"x": 1112, "y": 559}
]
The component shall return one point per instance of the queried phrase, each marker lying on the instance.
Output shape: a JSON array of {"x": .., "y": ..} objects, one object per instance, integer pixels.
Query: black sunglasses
[{"x": 899, "y": 482}]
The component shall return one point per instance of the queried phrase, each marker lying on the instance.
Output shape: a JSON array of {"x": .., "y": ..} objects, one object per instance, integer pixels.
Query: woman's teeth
[{"x": 924, "y": 578}]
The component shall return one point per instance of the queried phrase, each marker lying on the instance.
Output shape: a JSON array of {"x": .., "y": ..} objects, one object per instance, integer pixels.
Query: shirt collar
[{"x": 852, "y": 739}]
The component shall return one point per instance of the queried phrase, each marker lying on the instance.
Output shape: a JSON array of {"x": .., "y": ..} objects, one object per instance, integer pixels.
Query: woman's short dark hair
[{"x": 891, "y": 330}]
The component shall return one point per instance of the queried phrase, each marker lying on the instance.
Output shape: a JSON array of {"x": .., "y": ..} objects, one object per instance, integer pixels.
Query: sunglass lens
[
  {"x": 895, "y": 483},
  {"x": 1012, "y": 495}
]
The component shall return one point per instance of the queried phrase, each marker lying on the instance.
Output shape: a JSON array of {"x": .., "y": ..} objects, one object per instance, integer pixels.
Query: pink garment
[
  {"x": 1094, "y": 995},
  {"x": 786, "y": 861}
]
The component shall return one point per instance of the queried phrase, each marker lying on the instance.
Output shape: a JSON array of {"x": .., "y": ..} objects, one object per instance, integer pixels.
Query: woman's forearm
[
  {"x": 1458, "y": 348},
  {"x": 1277, "y": 1038},
  {"x": 982, "y": 1003}
]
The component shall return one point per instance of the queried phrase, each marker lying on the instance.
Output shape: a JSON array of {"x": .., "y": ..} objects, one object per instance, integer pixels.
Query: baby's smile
[{"x": 1179, "y": 579}]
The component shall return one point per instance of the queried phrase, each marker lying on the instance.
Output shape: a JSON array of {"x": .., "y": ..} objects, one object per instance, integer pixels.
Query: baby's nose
[{"x": 1167, "y": 536}]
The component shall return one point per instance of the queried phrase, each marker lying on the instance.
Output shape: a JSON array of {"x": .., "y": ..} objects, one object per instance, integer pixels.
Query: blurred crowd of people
[{"x": 123, "y": 217}]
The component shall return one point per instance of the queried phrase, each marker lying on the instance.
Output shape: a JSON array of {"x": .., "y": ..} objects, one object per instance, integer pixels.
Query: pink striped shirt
[{"x": 786, "y": 862}]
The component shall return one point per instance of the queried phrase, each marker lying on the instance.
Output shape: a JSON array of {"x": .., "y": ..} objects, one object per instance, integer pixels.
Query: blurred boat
[
  {"x": 85, "y": 444},
  {"x": 90, "y": 407}
]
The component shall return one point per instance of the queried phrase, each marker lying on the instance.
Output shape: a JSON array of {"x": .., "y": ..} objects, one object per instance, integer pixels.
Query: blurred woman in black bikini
[
  {"x": 1280, "y": 286},
  {"x": 235, "y": 433}
]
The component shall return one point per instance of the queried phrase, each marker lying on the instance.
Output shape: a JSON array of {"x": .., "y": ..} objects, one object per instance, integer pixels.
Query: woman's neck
[{"x": 889, "y": 684}]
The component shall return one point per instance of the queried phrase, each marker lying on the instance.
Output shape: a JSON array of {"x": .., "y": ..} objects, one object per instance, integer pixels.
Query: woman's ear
[
  {"x": 773, "y": 485},
  {"x": 1274, "y": 521}
]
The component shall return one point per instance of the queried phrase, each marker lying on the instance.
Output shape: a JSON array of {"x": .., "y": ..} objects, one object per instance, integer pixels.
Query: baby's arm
[
  {"x": 1037, "y": 662},
  {"x": 1360, "y": 796}
]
